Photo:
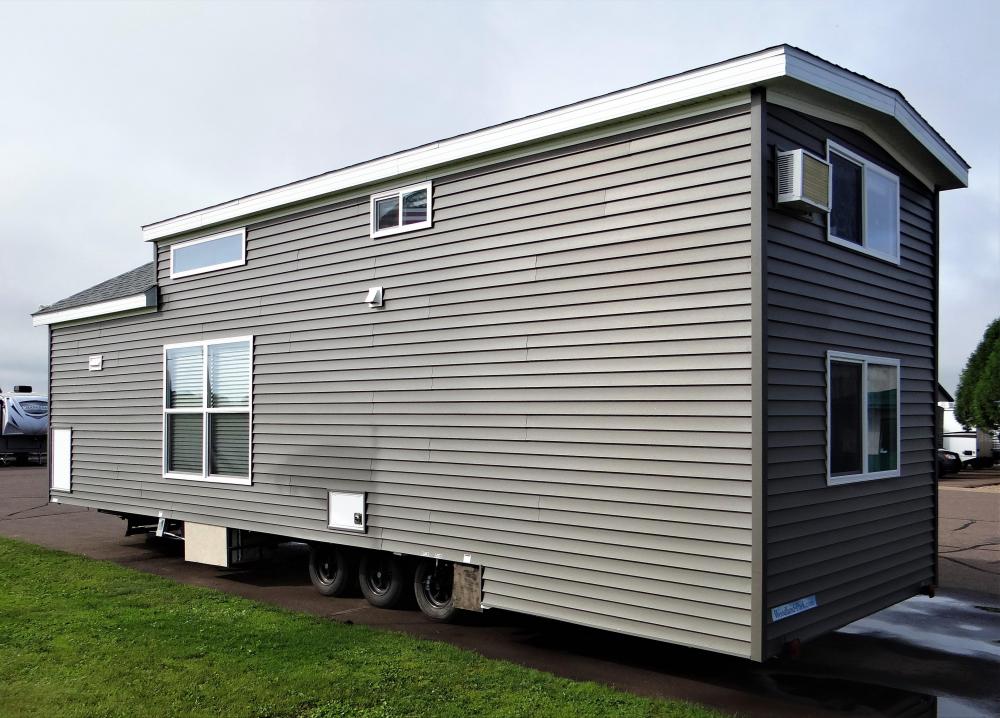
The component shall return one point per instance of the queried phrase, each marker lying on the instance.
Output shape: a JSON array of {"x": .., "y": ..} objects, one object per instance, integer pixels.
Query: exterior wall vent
[
  {"x": 803, "y": 181},
  {"x": 374, "y": 297}
]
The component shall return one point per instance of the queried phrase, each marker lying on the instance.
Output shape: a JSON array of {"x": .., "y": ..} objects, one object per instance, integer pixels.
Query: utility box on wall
[
  {"x": 206, "y": 544},
  {"x": 347, "y": 511}
]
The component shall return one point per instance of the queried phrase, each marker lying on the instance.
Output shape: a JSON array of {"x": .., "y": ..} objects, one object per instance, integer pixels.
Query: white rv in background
[
  {"x": 974, "y": 447},
  {"x": 24, "y": 425}
]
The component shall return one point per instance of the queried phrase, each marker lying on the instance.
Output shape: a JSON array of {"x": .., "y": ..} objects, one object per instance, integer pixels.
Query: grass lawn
[{"x": 88, "y": 638}]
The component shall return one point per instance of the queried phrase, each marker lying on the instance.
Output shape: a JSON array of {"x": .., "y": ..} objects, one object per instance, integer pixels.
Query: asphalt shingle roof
[{"x": 135, "y": 281}]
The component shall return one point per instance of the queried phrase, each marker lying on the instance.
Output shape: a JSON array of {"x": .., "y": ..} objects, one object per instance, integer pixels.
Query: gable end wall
[{"x": 862, "y": 546}]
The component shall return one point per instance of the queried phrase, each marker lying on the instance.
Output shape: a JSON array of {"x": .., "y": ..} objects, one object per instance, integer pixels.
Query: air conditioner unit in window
[{"x": 803, "y": 181}]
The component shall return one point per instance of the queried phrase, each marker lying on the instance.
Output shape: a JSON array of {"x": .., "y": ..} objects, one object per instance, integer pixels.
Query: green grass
[{"x": 88, "y": 638}]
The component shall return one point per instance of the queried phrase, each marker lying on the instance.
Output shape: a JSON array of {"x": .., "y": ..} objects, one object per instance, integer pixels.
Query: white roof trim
[
  {"x": 821, "y": 74},
  {"x": 756, "y": 69},
  {"x": 114, "y": 306}
]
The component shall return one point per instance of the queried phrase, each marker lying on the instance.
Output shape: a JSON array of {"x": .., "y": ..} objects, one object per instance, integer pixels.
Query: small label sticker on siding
[{"x": 790, "y": 609}]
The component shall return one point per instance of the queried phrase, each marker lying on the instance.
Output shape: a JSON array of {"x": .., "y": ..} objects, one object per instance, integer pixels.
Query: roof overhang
[
  {"x": 784, "y": 67},
  {"x": 134, "y": 304}
]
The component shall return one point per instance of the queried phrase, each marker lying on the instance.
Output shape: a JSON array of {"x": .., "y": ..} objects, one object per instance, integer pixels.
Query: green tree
[{"x": 977, "y": 401}]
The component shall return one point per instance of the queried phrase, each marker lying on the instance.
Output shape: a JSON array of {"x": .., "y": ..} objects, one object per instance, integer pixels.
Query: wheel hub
[
  {"x": 327, "y": 571},
  {"x": 437, "y": 585},
  {"x": 379, "y": 580}
]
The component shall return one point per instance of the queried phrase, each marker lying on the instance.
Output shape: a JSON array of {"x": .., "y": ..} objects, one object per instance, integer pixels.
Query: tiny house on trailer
[{"x": 661, "y": 362}]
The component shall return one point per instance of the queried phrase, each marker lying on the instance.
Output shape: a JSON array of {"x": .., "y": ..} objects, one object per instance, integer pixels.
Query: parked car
[{"x": 948, "y": 462}]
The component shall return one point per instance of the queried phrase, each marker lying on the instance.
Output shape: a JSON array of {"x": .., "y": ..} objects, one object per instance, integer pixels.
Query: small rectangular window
[
  {"x": 882, "y": 395},
  {"x": 862, "y": 417},
  {"x": 864, "y": 205},
  {"x": 845, "y": 417},
  {"x": 184, "y": 443},
  {"x": 229, "y": 439},
  {"x": 882, "y": 213},
  {"x": 207, "y": 407},
  {"x": 387, "y": 213},
  {"x": 401, "y": 210},
  {"x": 845, "y": 199},
  {"x": 208, "y": 254},
  {"x": 415, "y": 207},
  {"x": 184, "y": 384}
]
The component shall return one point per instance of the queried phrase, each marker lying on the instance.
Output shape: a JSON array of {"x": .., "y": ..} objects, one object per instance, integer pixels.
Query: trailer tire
[
  {"x": 383, "y": 579},
  {"x": 432, "y": 587},
  {"x": 331, "y": 569}
]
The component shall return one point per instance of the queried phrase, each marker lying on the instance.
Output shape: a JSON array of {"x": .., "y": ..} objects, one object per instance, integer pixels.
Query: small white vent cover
[
  {"x": 803, "y": 180},
  {"x": 374, "y": 297}
]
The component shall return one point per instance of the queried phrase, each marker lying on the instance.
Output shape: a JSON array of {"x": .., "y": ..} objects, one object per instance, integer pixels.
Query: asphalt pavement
[
  {"x": 923, "y": 657},
  {"x": 969, "y": 531}
]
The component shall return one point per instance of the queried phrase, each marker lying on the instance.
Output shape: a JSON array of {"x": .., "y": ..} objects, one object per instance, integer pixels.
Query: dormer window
[
  {"x": 401, "y": 210},
  {"x": 864, "y": 205}
]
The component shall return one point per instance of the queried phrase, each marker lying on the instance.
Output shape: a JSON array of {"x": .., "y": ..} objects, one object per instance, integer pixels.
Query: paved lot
[
  {"x": 969, "y": 531},
  {"x": 925, "y": 657}
]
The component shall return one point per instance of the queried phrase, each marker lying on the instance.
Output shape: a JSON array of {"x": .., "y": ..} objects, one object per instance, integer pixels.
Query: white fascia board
[
  {"x": 818, "y": 73},
  {"x": 138, "y": 301},
  {"x": 688, "y": 87},
  {"x": 740, "y": 73}
]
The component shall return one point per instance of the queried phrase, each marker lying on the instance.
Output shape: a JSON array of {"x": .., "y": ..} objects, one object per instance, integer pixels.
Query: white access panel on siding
[
  {"x": 60, "y": 456},
  {"x": 347, "y": 511}
]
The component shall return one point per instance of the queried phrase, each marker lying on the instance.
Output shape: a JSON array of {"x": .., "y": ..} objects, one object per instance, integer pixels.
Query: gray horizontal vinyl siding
[
  {"x": 558, "y": 385},
  {"x": 856, "y": 547}
]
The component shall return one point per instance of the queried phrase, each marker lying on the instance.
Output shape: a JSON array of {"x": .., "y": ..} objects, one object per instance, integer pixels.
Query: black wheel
[
  {"x": 432, "y": 586},
  {"x": 383, "y": 579},
  {"x": 331, "y": 569}
]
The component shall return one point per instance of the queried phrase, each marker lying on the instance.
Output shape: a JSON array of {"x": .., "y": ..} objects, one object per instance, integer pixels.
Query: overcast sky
[{"x": 115, "y": 115}]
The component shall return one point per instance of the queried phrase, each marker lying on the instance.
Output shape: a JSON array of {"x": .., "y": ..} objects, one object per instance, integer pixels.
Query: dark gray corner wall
[
  {"x": 863, "y": 546},
  {"x": 558, "y": 386}
]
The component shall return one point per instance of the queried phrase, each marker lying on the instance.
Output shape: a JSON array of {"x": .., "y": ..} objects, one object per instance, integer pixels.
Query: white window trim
[
  {"x": 864, "y": 360},
  {"x": 833, "y": 147},
  {"x": 205, "y": 411},
  {"x": 213, "y": 267},
  {"x": 399, "y": 229}
]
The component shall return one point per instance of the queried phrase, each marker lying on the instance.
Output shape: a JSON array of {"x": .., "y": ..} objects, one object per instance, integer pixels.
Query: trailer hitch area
[
  {"x": 139, "y": 525},
  {"x": 153, "y": 526}
]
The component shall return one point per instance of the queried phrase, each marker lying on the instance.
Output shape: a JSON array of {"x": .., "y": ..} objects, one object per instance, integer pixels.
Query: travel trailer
[
  {"x": 661, "y": 362},
  {"x": 974, "y": 446},
  {"x": 24, "y": 425}
]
